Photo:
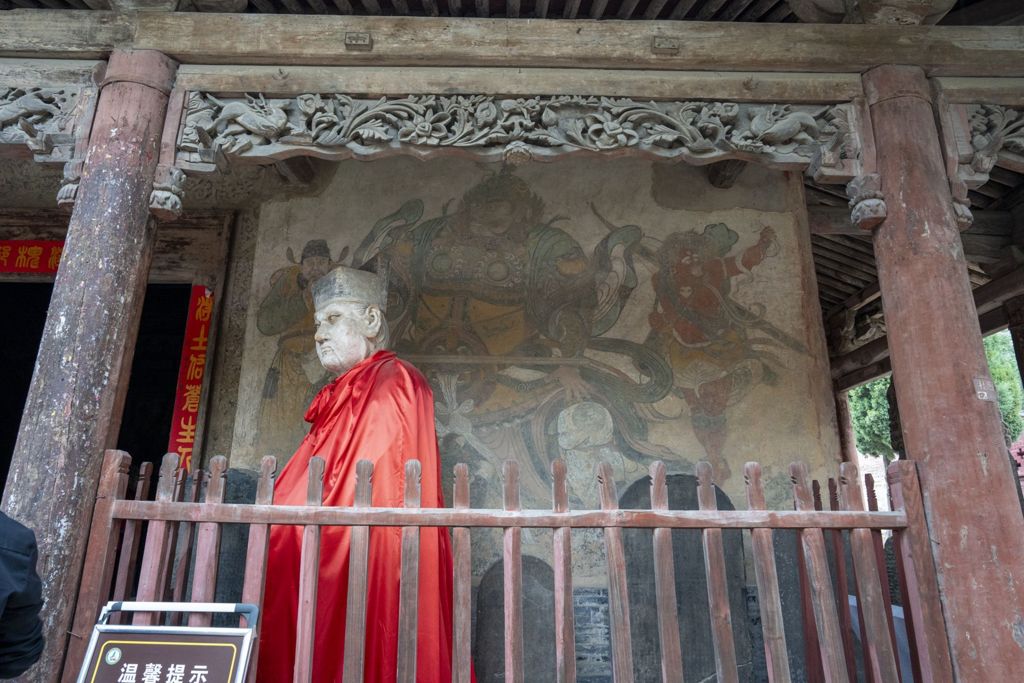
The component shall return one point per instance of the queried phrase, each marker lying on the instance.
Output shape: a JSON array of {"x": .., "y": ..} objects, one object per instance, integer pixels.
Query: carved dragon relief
[
  {"x": 43, "y": 119},
  {"x": 339, "y": 126},
  {"x": 977, "y": 136},
  {"x": 218, "y": 132}
]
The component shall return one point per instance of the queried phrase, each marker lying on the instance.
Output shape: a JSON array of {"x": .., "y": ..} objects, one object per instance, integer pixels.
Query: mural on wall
[{"x": 514, "y": 322}]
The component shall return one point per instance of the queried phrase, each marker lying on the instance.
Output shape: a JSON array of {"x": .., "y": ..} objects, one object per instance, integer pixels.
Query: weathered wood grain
[
  {"x": 718, "y": 590},
  {"x": 462, "y": 584},
  {"x": 309, "y": 577},
  {"x": 576, "y": 519},
  {"x": 665, "y": 583},
  {"x": 413, "y": 41},
  {"x": 256, "y": 557},
  {"x": 157, "y": 553},
  {"x": 938, "y": 360},
  {"x": 766, "y": 575},
  {"x": 565, "y": 632},
  {"x": 879, "y": 657},
  {"x": 377, "y": 80},
  {"x": 204, "y": 574},
  {"x": 99, "y": 559},
  {"x": 512, "y": 567},
  {"x": 812, "y": 541},
  {"x": 85, "y": 348},
  {"x": 129, "y": 555},
  {"x": 618, "y": 593},
  {"x": 409, "y": 585},
  {"x": 355, "y": 609},
  {"x": 913, "y": 544}
]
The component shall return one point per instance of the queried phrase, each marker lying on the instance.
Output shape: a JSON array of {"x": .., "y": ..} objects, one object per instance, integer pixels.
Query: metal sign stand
[{"x": 169, "y": 654}]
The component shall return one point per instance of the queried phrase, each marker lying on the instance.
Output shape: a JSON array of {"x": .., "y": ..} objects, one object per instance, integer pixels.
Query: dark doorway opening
[{"x": 149, "y": 405}]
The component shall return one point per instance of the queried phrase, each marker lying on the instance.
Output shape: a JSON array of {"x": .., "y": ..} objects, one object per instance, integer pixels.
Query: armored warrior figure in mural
[
  {"x": 718, "y": 348},
  {"x": 500, "y": 305},
  {"x": 378, "y": 408}
]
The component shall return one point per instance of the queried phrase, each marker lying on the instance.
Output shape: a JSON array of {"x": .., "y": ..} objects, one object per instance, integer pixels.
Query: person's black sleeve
[{"x": 21, "y": 597}]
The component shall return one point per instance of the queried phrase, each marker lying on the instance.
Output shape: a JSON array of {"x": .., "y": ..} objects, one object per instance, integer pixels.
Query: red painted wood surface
[
  {"x": 665, "y": 584},
  {"x": 309, "y": 565},
  {"x": 355, "y": 608},
  {"x": 565, "y": 630},
  {"x": 99, "y": 558},
  {"x": 512, "y": 564},
  {"x": 879, "y": 656},
  {"x": 256, "y": 556},
  {"x": 129, "y": 554},
  {"x": 158, "y": 553},
  {"x": 766, "y": 575},
  {"x": 937, "y": 361},
  {"x": 835, "y": 536},
  {"x": 913, "y": 543},
  {"x": 718, "y": 590},
  {"x": 409, "y": 589},
  {"x": 618, "y": 594},
  {"x": 204, "y": 574},
  {"x": 86, "y": 348},
  {"x": 165, "y": 511},
  {"x": 830, "y": 640},
  {"x": 883, "y": 571},
  {"x": 462, "y": 584}
]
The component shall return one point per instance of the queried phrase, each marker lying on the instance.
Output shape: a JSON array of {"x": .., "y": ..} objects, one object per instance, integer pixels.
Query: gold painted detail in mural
[
  {"x": 43, "y": 119},
  {"x": 218, "y": 129}
]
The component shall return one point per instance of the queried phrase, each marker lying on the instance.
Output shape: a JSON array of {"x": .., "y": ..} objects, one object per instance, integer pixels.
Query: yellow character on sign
[
  {"x": 204, "y": 307},
  {"x": 54, "y": 260},
  {"x": 28, "y": 257}
]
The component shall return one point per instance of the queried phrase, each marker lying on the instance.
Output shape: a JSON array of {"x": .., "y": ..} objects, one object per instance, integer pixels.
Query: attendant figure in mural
[
  {"x": 295, "y": 374},
  {"x": 378, "y": 408},
  {"x": 718, "y": 348},
  {"x": 500, "y": 304}
]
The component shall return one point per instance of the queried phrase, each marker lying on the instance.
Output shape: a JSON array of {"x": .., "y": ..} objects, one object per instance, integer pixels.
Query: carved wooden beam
[
  {"x": 256, "y": 129},
  {"x": 899, "y": 12},
  {"x": 46, "y": 108},
  {"x": 982, "y": 125},
  {"x": 315, "y": 40}
]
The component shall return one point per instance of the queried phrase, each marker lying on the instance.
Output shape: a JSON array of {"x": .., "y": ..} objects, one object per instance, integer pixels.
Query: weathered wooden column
[
  {"x": 74, "y": 404},
  {"x": 950, "y": 425}
]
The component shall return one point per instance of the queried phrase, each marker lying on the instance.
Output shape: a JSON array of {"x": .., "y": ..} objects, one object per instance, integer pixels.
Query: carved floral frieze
[
  {"x": 216, "y": 129},
  {"x": 45, "y": 120}
]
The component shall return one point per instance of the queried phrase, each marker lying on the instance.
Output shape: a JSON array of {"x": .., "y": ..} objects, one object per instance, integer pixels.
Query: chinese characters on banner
[
  {"x": 190, "y": 376},
  {"x": 30, "y": 256}
]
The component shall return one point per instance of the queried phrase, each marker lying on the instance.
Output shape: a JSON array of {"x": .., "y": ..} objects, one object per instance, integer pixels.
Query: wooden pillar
[
  {"x": 74, "y": 404},
  {"x": 1015, "y": 319},
  {"x": 847, "y": 439},
  {"x": 951, "y": 423}
]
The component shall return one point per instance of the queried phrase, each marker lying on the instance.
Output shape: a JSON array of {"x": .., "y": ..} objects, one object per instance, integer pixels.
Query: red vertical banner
[{"x": 190, "y": 376}]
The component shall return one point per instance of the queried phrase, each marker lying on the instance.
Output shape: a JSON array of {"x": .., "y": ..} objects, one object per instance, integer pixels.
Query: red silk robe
[{"x": 381, "y": 410}]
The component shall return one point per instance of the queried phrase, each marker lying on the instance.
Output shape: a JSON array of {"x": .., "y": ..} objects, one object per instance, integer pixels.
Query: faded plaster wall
[{"x": 725, "y": 361}]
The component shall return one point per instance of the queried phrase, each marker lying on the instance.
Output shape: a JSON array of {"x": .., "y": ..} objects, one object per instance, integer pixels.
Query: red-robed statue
[{"x": 379, "y": 409}]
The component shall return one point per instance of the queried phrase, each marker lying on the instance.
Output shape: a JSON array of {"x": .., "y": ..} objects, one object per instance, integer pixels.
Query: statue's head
[{"x": 350, "y": 323}]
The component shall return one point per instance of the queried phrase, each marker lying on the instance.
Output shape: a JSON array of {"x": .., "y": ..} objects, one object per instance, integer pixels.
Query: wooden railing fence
[{"x": 182, "y": 528}]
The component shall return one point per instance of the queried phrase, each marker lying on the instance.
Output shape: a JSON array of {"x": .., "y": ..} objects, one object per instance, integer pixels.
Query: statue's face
[{"x": 343, "y": 335}]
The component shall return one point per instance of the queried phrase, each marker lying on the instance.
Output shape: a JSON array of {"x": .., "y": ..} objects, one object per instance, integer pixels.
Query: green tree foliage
[
  {"x": 1002, "y": 364},
  {"x": 869, "y": 408},
  {"x": 869, "y": 412}
]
